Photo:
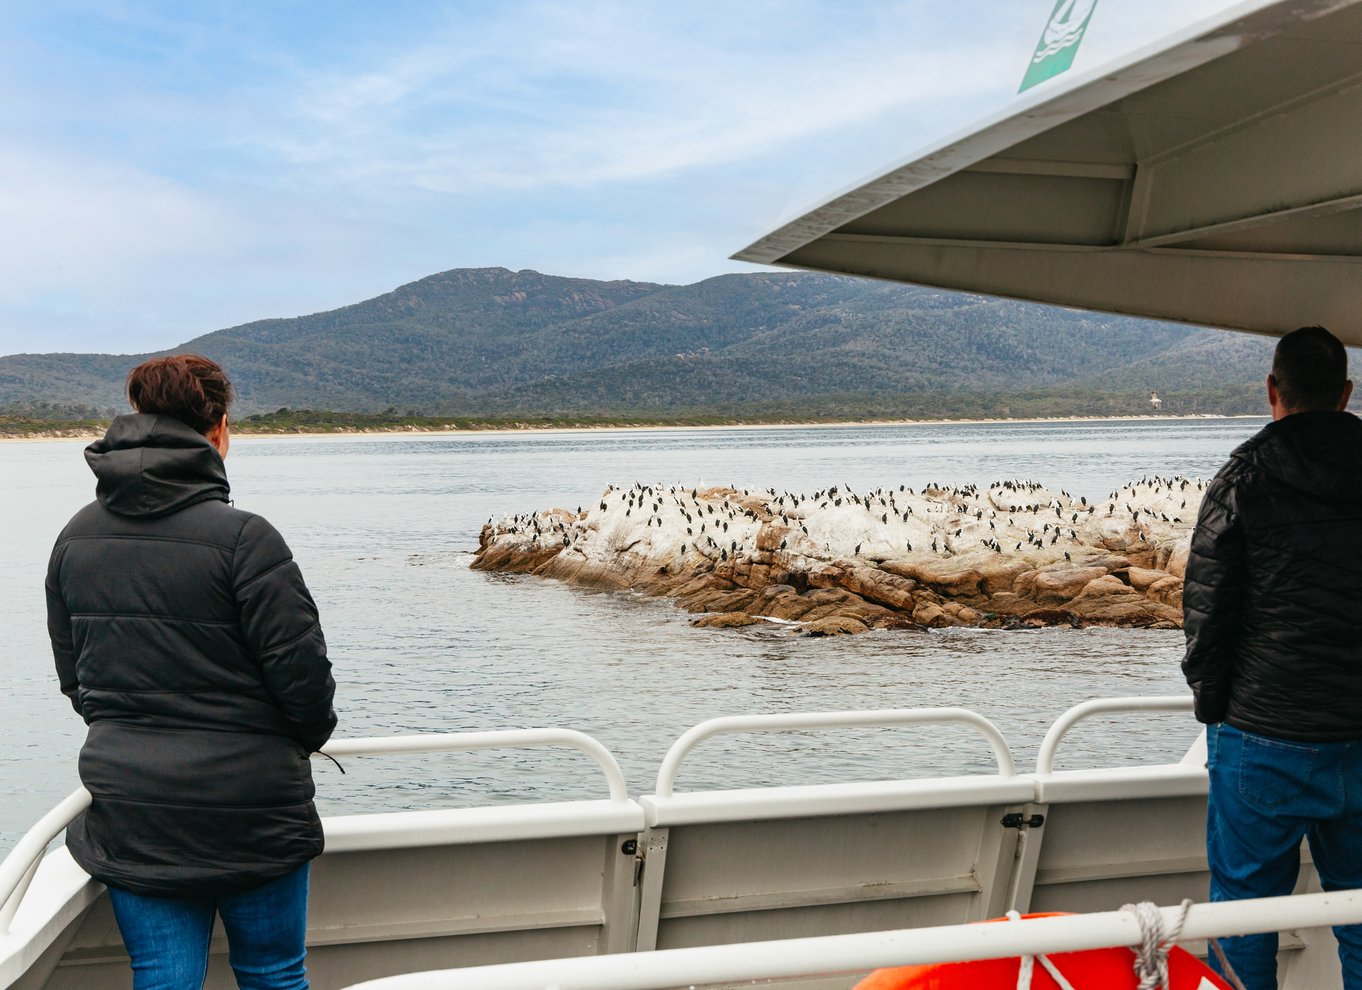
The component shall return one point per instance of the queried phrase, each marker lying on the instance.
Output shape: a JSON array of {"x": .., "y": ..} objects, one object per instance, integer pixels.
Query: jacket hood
[
  {"x": 1315, "y": 452},
  {"x": 150, "y": 465}
]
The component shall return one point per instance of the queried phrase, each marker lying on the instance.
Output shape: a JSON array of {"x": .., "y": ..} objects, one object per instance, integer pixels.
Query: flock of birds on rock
[{"x": 690, "y": 525}]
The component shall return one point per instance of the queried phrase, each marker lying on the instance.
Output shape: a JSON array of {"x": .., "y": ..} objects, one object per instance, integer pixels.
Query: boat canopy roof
[{"x": 1214, "y": 178}]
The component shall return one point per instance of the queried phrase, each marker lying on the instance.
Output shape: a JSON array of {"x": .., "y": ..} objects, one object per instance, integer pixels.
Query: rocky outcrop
[{"x": 1014, "y": 554}]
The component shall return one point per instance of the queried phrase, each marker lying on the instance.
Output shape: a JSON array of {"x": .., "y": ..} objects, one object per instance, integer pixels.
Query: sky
[{"x": 172, "y": 168}]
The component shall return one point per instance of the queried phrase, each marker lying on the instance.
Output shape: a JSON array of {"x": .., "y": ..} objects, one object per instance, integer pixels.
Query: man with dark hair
[
  {"x": 1309, "y": 373},
  {"x": 1274, "y": 648}
]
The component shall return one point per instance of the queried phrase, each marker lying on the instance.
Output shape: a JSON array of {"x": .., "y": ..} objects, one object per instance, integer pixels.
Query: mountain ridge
[{"x": 496, "y": 342}]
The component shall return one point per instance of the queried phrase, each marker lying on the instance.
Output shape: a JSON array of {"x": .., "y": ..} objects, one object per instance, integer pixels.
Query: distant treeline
[
  {"x": 58, "y": 412},
  {"x": 26, "y": 426},
  {"x": 37, "y": 419},
  {"x": 331, "y": 421}
]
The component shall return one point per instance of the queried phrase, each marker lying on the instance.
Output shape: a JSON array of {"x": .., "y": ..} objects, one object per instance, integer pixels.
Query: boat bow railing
[{"x": 19, "y": 867}]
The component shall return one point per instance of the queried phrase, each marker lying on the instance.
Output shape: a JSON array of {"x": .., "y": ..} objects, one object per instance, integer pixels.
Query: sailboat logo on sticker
[{"x": 1065, "y": 28}]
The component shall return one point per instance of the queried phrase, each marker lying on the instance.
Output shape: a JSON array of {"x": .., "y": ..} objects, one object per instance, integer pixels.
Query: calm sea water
[{"x": 384, "y": 529}]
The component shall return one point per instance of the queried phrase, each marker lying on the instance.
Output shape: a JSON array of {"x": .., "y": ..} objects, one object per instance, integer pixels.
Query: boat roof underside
[{"x": 1215, "y": 179}]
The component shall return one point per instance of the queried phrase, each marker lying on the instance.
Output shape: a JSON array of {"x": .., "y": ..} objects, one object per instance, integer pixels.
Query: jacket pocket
[{"x": 1273, "y": 772}]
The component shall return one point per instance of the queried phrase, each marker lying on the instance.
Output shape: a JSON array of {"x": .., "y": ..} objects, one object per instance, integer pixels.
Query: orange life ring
[{"x": 1095, "y": 969}]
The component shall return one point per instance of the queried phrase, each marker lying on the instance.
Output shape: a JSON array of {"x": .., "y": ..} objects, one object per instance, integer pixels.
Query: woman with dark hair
[{"x": 185, "y": 637}]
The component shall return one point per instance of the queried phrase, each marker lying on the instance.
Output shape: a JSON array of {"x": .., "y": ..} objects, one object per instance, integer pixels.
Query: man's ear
[{"x": 1347, "y": 394}]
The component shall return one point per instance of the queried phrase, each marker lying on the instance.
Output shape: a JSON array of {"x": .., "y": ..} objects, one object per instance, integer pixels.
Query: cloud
[
  {"x": 555, "y": 98},
  {"x": 99, "y": 255},
  {"x": 78, "y": 231},
  {"x": 95, "y": 217}
]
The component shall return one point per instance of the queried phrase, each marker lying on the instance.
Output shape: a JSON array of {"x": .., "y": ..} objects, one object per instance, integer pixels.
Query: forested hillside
[{"x": 495, "y": 343}]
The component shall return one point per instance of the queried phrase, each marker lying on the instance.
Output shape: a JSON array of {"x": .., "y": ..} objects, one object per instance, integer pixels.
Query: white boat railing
[
  {"x": 18, "y": 868},
  {"x": 733, "y": 724},
  {"x": 1045, "y": 757},
  {"x": 853, "y": 954},
  {"x": 500, "y": 739}
]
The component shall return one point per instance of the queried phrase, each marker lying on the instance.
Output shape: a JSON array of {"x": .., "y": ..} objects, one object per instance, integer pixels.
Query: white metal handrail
[
  {"x": 849, "y": 954},
  {"x": 19, "y": 867},
  {"x": 450, "y": 742},
  {"x": 1045, "y": 758},
  {"x": 728, "y": 725}
]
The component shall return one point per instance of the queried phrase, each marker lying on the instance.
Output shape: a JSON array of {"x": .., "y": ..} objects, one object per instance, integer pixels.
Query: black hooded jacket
[
  {"x": 1271, "y": 603},
  {"x": 185, "y": 637}
]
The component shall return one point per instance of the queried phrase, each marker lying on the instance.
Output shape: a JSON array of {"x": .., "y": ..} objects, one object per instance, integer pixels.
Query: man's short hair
[{"x": 1310, "y": 367}]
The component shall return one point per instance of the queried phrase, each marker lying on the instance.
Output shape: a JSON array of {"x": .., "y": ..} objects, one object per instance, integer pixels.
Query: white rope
[
  {"x": 1151, "y": 959},
  {"x": 1026, "y": 969},
  {"x": 1055, "y": 974}
]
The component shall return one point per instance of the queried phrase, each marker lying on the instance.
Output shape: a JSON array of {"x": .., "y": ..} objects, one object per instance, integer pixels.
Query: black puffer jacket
[
  {"x": 1273, "y": 595},
  {"x": 185, "y": 637}
]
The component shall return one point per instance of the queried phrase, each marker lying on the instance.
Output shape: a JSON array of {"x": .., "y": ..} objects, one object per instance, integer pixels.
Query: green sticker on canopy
[{"x": 1059, "y": 41}]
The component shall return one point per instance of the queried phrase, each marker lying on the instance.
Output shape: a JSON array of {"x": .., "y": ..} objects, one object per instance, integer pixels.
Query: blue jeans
[
  {"x": 1266, "y": 795},
  {"x": 167, "y": 937}
]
